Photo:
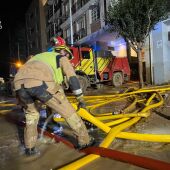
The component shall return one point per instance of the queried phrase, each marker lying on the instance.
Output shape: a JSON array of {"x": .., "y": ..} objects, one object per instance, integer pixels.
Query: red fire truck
[{"x": 91, "y": 69}]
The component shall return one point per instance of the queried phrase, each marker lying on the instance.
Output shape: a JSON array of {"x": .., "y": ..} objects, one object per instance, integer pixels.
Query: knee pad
[
  {"x": 32, "y": 119},
  {"x": 32, "y": 115}
]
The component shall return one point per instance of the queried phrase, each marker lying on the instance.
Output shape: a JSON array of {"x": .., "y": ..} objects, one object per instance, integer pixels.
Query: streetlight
[
  {"x": 71, "y": 22},
  {"x": 18, "y": 64}
]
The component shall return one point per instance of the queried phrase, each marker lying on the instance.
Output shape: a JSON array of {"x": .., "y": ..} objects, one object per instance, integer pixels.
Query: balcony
[
  {"x": 80, "y": 34},
  {"x": 77, "y": 36}
]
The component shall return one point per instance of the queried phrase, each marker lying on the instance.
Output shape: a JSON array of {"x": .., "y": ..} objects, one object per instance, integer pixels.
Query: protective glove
[
  {"x": 81, "y": 105},
  {"x": 81, "y": 102}
]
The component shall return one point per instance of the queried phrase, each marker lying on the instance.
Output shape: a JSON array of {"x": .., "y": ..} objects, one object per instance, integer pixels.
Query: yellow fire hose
[
  {"x": 145, "y": 137},
  {"x": 4, "y": 111},
  {"x": 7, "y": 104},
  {"x": 115, "y": 131},
  {"x": 106, "y": 142},
  {"x": 113, "y": 125},
  {"x": 122, "y": 121}
]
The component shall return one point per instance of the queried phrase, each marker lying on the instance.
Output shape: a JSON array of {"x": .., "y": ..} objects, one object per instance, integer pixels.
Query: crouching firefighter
[{"x": 41, "y": 78}]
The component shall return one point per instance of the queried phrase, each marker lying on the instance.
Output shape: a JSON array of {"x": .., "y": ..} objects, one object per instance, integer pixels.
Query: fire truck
[{"x": 94, "y": 70}]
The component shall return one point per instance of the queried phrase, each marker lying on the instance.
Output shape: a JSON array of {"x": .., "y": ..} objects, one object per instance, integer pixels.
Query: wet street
[{"x": 55, "y": 155}]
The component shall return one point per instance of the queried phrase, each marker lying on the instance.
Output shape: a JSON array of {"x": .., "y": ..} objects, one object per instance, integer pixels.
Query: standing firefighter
[{"x": 41, "y": 79}]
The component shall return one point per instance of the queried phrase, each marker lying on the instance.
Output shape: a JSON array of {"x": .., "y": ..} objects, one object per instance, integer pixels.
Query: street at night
[{"x": 85, "y": 84}]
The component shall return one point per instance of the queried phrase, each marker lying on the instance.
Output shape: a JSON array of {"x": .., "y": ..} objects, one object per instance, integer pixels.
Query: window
[
  {"x": 68, "y": 32},
  {"x": 84, "y": 2},
  {"x": 108, "y": 54},
  {"x": 169, "y": 36},
  {"x": 73, "y": 8},
  {"x": 50, "y": 12},
  {"x": 52, "y": 30},
  {"x": 68, "y": 36},
  {"x": 32, "y": 30},
  {"x": 79, "y": 4},
  {"x": 85, "y": 54},
  {"x": 95, "y": 14},
  {"x": 81, "y": 27},
  {"x": 80, "y": 24},
  {"x": 56, "y": 7},
  {"x": 66, "y": 10}
]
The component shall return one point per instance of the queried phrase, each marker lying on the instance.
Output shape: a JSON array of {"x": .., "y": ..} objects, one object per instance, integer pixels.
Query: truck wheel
[
  {"x": 117, "y": 79},
  {"x": 83, "y": 82}
]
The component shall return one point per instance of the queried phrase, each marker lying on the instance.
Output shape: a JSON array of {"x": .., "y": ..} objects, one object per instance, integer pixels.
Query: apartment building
[
  {"x": 87, "y": 18},
  {"x": 35, "y": 28},
  {"x": 54, "y": 18},
  {"x": 87, "y": 25}
]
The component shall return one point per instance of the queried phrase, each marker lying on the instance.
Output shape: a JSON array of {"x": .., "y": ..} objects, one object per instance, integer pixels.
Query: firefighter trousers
[
  {"x": 60, "y": 104},
  {"x": 56, "y": 101}
]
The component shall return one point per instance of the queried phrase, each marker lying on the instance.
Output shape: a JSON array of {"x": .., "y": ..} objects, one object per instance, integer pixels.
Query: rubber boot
[
  {"x": 31, "y": 151},
  {"x": 91, "y": 143},
  {"x": 79, "y": 128}
]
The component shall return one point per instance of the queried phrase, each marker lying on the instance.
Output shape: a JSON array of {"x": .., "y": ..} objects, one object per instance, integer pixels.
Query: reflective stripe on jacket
[{"x": 52, "y": 60}]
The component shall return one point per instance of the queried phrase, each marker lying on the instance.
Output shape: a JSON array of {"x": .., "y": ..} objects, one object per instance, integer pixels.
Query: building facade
[
  {"x": 35, "y": 28},
  {"x": 54, "y": 18},
  {"x": 87, "y": 18},
  {"x": 84, "y": 25}
]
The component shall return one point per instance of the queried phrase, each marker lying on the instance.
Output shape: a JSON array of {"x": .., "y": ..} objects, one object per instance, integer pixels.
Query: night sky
[{"x": 11, "y": 12}]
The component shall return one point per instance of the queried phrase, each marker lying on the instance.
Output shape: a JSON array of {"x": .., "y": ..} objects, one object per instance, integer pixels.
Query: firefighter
[{"x": 41, "y": 78}]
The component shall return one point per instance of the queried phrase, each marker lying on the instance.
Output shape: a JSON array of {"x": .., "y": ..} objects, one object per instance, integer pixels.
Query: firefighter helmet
[
  {"x": 57, "y": 41},
  {"x": 59, "y": 44}
]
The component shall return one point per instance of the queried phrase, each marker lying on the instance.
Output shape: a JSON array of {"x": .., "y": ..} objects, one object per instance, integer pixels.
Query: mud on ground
[{"x": 11, "y": 152}]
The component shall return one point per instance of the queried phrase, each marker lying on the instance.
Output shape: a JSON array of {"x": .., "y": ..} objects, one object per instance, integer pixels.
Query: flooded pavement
[
  {"x": 55, "y": 155},
  {"x": 8, "y": 144},
  {"x": 157, "y": 150}
]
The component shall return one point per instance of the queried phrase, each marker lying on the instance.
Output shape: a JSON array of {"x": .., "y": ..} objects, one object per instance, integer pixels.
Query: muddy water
[
  {"x": 8, "y": 143},
  {"x": 57, "y": 154}
]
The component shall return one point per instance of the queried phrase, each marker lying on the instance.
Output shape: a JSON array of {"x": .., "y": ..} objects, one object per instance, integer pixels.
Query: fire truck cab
[{"x": 92, "y": 70}]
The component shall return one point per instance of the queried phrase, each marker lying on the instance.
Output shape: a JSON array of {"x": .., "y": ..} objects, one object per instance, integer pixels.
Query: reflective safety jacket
[
  {"x": 52, "y": 60},
  {"x": 48, "y": 67}
]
